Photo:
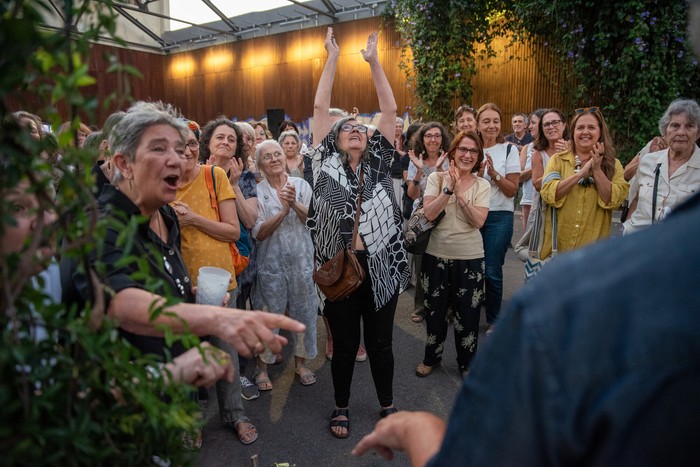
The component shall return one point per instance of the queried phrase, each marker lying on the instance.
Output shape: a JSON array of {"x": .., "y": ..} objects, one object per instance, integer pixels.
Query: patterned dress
[{"x": 332, "y": 213}]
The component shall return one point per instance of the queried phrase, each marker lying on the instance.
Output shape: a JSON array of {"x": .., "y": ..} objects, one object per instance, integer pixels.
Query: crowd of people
[{"x": 271, "y": 212}]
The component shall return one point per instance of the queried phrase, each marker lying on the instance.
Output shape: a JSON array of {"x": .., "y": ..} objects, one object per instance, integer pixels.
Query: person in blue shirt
[{"x": 595, "y": 362}]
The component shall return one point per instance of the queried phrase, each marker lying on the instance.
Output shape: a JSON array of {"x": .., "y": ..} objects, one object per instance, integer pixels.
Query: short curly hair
[{"x": 208, "y": 132}]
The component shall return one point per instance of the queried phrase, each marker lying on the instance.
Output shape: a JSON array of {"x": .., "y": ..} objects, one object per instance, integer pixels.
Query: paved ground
[{"x": 293, "y": 420}]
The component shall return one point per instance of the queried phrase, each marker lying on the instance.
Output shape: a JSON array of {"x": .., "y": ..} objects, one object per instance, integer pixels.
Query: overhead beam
[
  {"x": 109, "y": 39},
  {"x": 140, "y": 25},
  {"x": 160, "y": 15},
  {"x": 221, "y": 15},
  {"x": 59, "y": 12},
  {"x": 328, "y": 5}
]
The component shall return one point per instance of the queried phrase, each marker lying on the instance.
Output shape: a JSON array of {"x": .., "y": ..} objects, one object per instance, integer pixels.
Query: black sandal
[
  {"x": 341, "y": 423},
  {"x": 387, "y": 411}
]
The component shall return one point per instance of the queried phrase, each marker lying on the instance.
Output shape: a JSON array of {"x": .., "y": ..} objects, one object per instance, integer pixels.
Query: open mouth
[{"x": 172, "y": 181}]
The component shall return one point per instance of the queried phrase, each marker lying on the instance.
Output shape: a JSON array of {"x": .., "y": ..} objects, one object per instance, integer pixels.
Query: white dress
[{"x": 286, "y": 265}]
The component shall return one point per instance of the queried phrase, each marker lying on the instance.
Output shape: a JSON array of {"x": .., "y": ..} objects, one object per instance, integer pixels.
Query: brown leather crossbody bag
[{"x": 341, "y": 275}]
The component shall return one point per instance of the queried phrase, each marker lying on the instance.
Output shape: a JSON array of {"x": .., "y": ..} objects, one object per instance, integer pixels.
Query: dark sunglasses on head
[
  {"x": 347, "y": 127},
  {"x": 584, "y": 110}
]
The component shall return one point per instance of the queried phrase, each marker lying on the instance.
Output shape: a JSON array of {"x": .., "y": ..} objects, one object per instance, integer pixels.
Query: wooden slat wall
[
  {"x": 148, "y": 88},
  {"x": 244, "y": 79},
  {"x": 527, "y": 82}
]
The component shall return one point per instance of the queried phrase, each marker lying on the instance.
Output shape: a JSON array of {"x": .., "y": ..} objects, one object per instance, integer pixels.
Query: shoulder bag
[
  {"x": 418, "y": 228},
  {"x": 534, "y": 264},
  {"x": 341, "y": 275}
]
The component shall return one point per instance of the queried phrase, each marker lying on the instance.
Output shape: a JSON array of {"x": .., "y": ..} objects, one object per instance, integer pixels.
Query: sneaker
[
  {"x": 249, "y": 391},
  {"x": 361, "y": 354}
]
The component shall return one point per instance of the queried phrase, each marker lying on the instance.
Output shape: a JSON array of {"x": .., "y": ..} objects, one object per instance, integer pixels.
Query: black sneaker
[{"x": 249, "y": 391}]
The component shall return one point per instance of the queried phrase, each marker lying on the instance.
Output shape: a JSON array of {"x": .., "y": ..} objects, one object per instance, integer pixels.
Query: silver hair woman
[
  {"x": 285, "y": 257},
  {"x": 142, "y": 116},
  {"x": 149, "y": 153},
  {"x": 293, "y": 160},
  {"x": 667, "y": 177}
]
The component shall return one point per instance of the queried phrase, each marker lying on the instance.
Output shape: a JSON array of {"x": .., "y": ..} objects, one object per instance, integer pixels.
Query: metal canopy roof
[{"x": 299, "y": 14}]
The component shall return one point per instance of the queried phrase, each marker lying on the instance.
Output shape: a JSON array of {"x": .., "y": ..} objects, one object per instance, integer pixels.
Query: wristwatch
[
  {"x": 447, "y": 191},
  {"x": 498, "y": 177}
]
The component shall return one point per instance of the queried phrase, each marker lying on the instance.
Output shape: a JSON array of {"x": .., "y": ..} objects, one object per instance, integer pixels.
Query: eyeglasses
[
  {"x": 435, "y": 136},
  {"x": 553, "y": 123},
  {"x": 347, "y": 128},
  {"x": 464, "y": 150},
  {"x": 268, "y": 157},
  {"x": 193, "y": 144},
  {"x": 584, "y": 110}
]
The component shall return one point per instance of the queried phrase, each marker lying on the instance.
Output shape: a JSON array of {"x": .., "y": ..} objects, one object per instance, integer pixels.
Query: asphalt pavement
[{"x": 292, "y": 420}]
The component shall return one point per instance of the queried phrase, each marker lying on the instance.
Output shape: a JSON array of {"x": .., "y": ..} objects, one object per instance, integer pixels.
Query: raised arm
[
  {"x": 322, "y": 101},
  {"x": 387, "y": 103}
]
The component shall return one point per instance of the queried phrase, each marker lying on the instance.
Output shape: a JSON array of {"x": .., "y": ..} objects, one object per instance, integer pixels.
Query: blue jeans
[{"x": 496, "y": 234}]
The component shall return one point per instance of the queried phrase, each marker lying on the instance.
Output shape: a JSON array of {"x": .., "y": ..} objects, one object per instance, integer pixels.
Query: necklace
[
  {"x": 584, "y": 182},
  {"x": 166, "y": 264}
]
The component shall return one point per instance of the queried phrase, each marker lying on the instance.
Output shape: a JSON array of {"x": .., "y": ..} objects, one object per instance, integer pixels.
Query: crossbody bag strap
[
  {"x": 357, "y": 211},
  {"x": 554, "y": 231},
  {"x": 211, "y": 187},
  {"x": 657, "y": 171},
  {"x": 534, "y": 245}
]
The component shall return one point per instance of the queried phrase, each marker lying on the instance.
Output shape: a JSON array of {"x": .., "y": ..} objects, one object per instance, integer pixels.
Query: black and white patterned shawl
[{"x": 332, "y": 212}]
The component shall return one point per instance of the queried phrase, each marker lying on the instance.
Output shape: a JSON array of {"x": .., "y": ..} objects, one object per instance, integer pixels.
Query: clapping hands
[
  {"x": 288, "y": 195},
  {"x": 596, "y": 155}
]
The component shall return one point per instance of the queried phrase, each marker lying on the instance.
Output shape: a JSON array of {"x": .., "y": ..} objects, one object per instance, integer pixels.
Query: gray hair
[
  {"x": 285, "y": 134},
  {"x": 247, "y": 128},
  {"x": 259, "y": 149},
  {"x": 126, "y": 135},
  {"x": 680, "y": 106},
  {"x": 335, "y": 112},
  {"x": 399, "y": 121},
  {"x": 520, "y": 114},
  {"x": 335, "y": 130}
]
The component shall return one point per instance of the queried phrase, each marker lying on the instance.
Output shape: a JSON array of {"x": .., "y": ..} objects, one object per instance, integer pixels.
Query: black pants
[{"x": 344, "y": 320}]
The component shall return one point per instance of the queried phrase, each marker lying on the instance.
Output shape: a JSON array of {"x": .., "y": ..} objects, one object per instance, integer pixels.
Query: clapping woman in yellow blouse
[{"x": 584, "y": 185}]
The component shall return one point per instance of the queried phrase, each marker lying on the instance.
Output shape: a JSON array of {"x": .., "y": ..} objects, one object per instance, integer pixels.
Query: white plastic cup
[{"x": 212, "y": 284}]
